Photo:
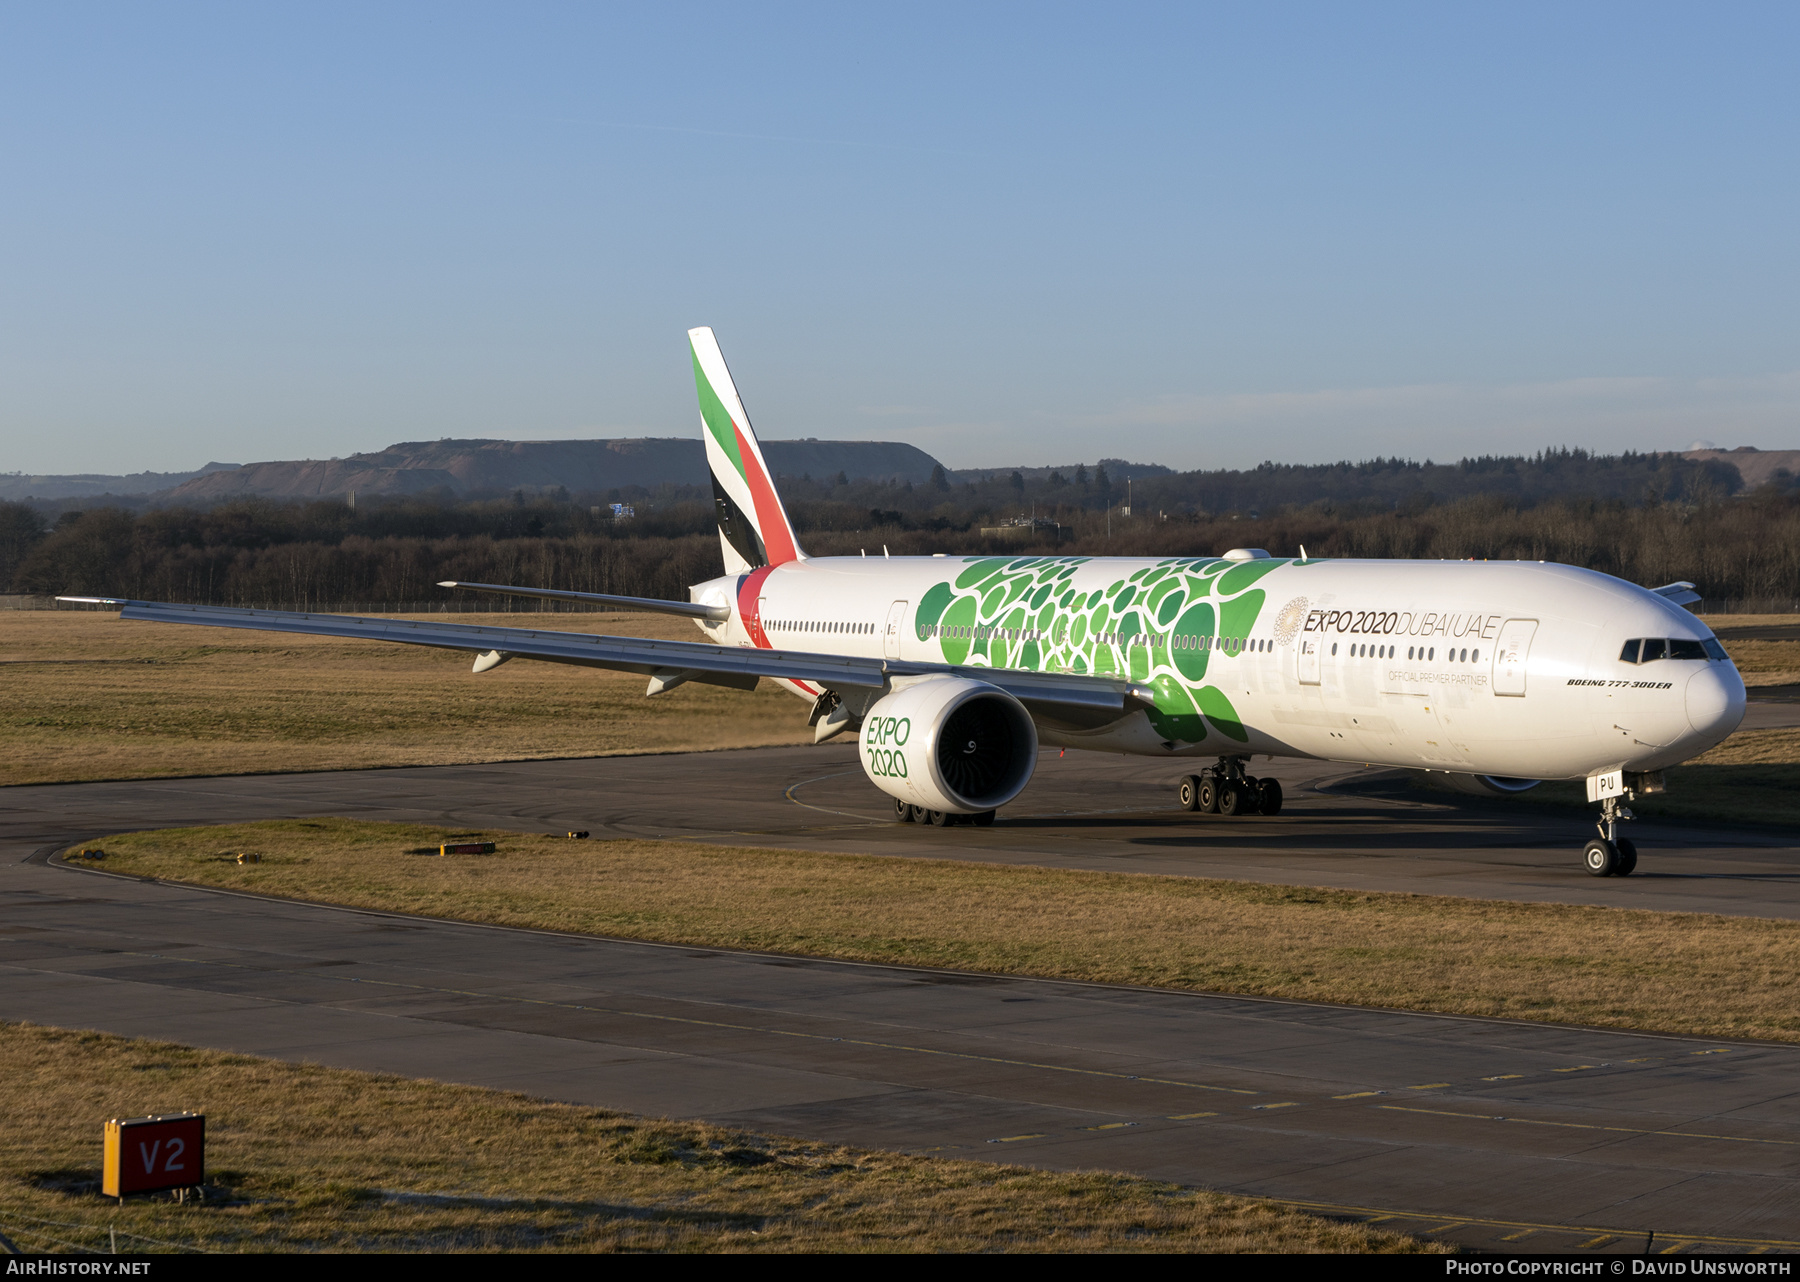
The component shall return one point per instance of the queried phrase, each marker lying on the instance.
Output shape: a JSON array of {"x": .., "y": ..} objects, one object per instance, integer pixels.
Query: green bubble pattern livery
[{"x": 1162, "y": 626}]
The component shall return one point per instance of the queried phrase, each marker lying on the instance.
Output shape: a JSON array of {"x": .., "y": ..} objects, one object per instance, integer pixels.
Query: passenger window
[{"x": 1630, "y": 653}]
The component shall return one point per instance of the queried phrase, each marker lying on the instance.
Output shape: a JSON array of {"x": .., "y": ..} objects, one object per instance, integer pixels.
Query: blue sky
[{"x": 1199, "y": 235}]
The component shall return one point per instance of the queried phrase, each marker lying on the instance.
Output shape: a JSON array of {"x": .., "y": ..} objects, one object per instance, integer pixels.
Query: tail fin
[{"x": 753, "y": 529}]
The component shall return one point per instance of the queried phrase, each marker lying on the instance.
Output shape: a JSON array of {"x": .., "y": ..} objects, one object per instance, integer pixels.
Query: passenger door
[
  {"x": 1511, "y": 651},
  {"x": 895, "y": 621},
  {"x": 1309, "y": 659}
]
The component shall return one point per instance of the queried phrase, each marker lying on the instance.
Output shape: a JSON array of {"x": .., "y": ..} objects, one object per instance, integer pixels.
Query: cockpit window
[{"x": 1647, "y": 649}]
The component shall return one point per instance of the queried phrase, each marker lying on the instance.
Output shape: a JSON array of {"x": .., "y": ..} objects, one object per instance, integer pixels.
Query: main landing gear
[
  {"x": 907, "y": 813},
  {"x": 1226, "y": 790},
  {"x": 1610, "y": 855}
]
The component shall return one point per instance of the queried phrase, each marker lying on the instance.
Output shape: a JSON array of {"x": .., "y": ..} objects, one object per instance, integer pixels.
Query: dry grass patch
[
  {"x": 1762, "y": 662},
  {"x": 1680, "y": 972},
  {"x": 309, "y": 1158},
  {"x": 92, "y": 696},
  {"x": 1766, "y": 663}
]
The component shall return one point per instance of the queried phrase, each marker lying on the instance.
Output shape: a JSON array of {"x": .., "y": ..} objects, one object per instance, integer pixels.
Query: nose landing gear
[{"x": 1610, "y": 855}]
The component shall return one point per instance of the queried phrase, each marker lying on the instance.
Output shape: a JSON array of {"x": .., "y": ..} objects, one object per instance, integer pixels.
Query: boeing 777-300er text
[{"x": 955, "y": 671}]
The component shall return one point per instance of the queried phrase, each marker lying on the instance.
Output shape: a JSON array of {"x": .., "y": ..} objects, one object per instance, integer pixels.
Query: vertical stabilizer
[{"x": 753, "y": 528}]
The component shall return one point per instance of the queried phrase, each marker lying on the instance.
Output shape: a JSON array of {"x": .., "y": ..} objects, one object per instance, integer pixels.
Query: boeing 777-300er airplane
[{"x": 954, "y": 671}]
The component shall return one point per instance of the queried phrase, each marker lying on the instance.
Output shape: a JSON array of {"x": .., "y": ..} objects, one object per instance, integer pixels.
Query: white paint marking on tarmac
[
  {"x": 1591, "y": 1126},
  {"x": 690, "y": 1021}
]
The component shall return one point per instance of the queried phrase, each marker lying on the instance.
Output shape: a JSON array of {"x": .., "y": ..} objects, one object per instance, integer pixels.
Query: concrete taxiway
[
  {"x": 1341, "y": 826},
  {"x": 1493, "y": 1133}
]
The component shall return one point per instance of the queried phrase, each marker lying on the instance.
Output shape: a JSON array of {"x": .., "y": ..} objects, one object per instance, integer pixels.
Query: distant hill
[
  {"x": 1405, "y": 483},
  {"x": 1756, "y": 467},
  {"x": 474, "y": 467},
  {"x": 16, "y": 487},
  {"x": 1116, "y": 468},
  {"x": 484, "y": 468}
]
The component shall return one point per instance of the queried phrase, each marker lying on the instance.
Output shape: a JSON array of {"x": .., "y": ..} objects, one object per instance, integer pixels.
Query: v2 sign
[{"x": 148, "y": 1153}]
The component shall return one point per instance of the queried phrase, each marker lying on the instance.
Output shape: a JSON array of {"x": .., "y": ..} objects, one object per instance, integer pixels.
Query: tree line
[{"x": 263, "y": 553}]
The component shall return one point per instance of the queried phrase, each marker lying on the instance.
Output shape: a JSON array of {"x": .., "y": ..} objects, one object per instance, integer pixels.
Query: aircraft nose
[{"x": 1715, "y": 700}]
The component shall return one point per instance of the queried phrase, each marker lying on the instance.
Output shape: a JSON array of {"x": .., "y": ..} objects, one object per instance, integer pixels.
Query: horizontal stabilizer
[
  {"x": 687, "y": 610},
  {"x": 1680, "y": 593}
]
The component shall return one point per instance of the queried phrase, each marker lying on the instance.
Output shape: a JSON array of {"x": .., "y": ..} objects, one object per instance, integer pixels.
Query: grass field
[
  {"x": 1762, "y": 663},
  {"x": 307, "y": 1158},
  {"x": 90, "y": 696},
  {"x": 1677, "y": 972}
]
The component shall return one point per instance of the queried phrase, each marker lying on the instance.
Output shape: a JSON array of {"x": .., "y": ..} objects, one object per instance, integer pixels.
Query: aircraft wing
[{"x": 666, "y": 663}]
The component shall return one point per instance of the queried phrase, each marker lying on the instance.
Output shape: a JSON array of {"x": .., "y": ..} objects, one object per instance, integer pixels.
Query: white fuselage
[{"x": 1488, "y": 668}]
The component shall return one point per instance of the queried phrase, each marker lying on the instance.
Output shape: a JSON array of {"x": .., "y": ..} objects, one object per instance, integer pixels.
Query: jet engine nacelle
[{"x": 949, "y": 744}]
